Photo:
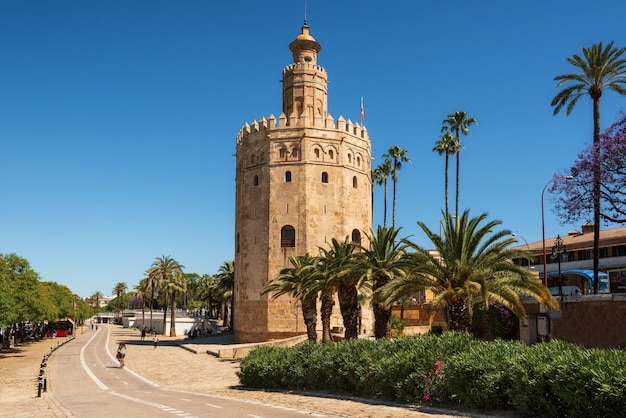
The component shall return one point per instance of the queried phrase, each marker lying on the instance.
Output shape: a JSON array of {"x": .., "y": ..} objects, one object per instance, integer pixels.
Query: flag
[{"x": 362, "y": 110}]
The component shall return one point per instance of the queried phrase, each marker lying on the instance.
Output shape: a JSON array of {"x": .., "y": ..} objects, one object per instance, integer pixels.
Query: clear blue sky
[{"x": 118, "y": 119}]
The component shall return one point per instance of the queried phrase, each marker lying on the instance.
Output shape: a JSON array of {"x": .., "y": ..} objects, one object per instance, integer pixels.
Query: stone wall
[{"x": 591, "y": 321}]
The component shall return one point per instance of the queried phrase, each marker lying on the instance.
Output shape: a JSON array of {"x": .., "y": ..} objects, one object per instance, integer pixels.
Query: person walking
[
  {"x": 121, "y": 354},
  {"x": 155, "y": 339},
  {"x": 143, "y": 333}
]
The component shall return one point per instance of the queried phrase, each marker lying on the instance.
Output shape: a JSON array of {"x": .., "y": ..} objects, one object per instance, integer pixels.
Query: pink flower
[
  {"x": 437, "y": 364},
  {"x": 437, "y": 372},
  {"x": 426, "y": 396}
]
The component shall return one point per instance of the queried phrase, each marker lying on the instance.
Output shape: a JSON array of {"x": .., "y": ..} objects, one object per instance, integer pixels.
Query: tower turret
[{"x": 305, "y": 84}]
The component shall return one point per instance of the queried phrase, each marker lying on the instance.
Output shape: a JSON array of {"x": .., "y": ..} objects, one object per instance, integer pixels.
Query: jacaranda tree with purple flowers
[{"x": 576, "y": 196}]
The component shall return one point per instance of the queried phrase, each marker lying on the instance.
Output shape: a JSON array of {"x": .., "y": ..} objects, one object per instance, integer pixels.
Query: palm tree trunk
[
  {"x": 382, "y": 315},
  {"x": 173, "y": 316},
  {"x": 393, "y": 210},
  {"x": 458, "y": 165},
  {"x": 165, "y": 312},
  {"x": 446, "y": 182},
  {"x": 385, "y": 205},
  {"x": 325, "y": 313},
  {"x": 349, "y": 305},
  {"x": 596, "y": 196},
  {"x": 309, "y": 313}
]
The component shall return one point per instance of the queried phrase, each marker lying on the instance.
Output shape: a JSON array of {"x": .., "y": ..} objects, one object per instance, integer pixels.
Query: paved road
[{"x": 85, "y": 377}]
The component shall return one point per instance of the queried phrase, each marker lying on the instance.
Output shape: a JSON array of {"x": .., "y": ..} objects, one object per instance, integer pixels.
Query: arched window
[
  {"x": 256, "y": 180},
  {"x": 281, "y": 153},
  {"x": 288, "y": 176},
  {"x": 252, "y": 159},
  {"x": 349, "y": 158},
  {"x": 294, "y": 152},
  {"x": 358, "y": 161},
  {"x": 317, "y": 153},
  {"x": 354, "y": 182},
  {"x": 287, "y": 236},
  {"x": 331, "y": 154},
  {"x": 324, "y": 177},
  {"x": 356, "y": 237},
  {"x": 262, "y": 157}
]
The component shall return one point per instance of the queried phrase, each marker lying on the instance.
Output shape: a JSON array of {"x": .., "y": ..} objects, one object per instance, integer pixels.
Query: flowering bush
[
  {"x": 496, "y": 322},
  {"x": 434, "y": 384}
]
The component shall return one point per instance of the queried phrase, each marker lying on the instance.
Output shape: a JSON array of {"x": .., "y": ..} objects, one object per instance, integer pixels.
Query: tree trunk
[
  {"x": 458, "y": 168},
  {"x": 309, "y": 313},
  {"x": 446, "y": 180},
  {"x": 325, "y": 313},
  {"x": 382, "y": 315},
  {"x": 349, "y": 305},
  {"x": 459, "y": 318},
  {"x": 165, "y": 313},
  {"x": 596, "y": 195},
  {"x": 173, "y": 316}
]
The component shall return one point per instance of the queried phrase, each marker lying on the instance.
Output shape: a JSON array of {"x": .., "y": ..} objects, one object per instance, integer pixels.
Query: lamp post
[
  {"x": 525, "y": 242},
  {"x": 557, "y": 249},
  {"x": 543, "y": 228}
]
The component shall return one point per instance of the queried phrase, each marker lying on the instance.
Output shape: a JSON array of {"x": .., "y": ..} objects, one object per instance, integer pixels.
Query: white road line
[
  {"x": 213, "y": 406},
  {"x": 87, "y": 369}
]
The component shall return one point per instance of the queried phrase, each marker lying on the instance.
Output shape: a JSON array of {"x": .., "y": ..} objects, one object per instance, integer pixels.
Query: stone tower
[{"x": 301, "y": 180}]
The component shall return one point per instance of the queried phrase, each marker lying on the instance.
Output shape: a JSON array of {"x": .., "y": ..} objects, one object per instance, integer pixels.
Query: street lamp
[
  {"x": 525, "y": 242},
  {"x": 543, "y": 228},
  {"x": 557, "y": 249}
]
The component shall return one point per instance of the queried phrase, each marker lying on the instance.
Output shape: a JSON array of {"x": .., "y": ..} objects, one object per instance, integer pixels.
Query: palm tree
[
  {"x": 338, "y": 265},
  {"x": 446, "y": 145},
  {"x": 398, "y": 155},
  {"x": 472, "y": 264},
  {"x": 143, "y": 288},
  {"x": 160, "y": 273},
  {"x": 380, "y": 264},
  {"x": 174, "y": 283},
  {"x": 381, "y": 174},
  {"x": 601, "y": 68},
  {"x": 296, "y": 282},
  {"x": 96, "y": 297},
  {"x": 119, "y": 289},
  {"x": 226, "y": 285},
  {"x": 457, "y": 123}
]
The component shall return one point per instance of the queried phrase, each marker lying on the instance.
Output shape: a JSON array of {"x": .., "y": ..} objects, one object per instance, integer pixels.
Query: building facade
[
  {"x": 301, "y": 179},
  {"x": 577, "y": 254}
]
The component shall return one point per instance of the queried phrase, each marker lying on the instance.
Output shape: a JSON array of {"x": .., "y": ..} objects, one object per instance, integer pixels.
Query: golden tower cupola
[{"x": 305, "y": 48}]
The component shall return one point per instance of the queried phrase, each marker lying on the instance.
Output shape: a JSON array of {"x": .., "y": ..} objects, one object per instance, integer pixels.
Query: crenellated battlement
[
  {"x": 303, "y": 66},
  {"x": 271, "y": 123}
]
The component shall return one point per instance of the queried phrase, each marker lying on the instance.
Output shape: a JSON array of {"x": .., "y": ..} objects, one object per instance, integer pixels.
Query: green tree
[
  {"x": 600, "y": 68},
  {"x": 397, "y": 155},
  {"x": 19, "y": 290},
  {"x": 174, "y": 283},
  {"x": 296, "y": 282},
  {"x": 226, "y": 287},
  {"x": 119, "y": 290},
  {"x": 471, "y": 264},
  {"x": 338, "y": 261},
  {"x": 96, "y": 298},
  {"x": 383, "y": 262},
  {"x": 161, "y": 272},
  {"x": 458, "y": 123},
  {"x": 446, "y": 145}
]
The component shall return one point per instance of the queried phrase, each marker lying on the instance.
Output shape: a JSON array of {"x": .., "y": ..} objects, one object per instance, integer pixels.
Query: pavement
[{"x": 181, "y": 364}]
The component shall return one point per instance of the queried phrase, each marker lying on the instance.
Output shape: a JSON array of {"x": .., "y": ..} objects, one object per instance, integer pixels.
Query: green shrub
[
  {"x": 480, "y": 378},
  {"x": 544, "y": 380}
]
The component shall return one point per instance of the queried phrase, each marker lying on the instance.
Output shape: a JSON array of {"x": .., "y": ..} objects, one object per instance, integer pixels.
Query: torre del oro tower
[{"x": 302, "y": 179}]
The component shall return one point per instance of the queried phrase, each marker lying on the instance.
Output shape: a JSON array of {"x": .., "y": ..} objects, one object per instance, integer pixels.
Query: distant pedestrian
[
  {"x": 155, "y": 339},
  {"x": 143, "y": 333}
]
